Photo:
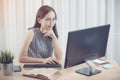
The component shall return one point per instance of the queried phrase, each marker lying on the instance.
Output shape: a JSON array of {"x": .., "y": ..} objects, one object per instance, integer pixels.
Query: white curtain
[
  {"x": 15, "y": 18},
  {"x": 17, "y": 15},
  {"x": 114, "y": 18}
]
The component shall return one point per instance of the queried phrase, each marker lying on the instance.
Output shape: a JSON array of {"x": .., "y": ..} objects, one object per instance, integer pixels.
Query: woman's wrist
[
  {"x": 42, "y": 60},
  {"x": 54, "y": 38}
]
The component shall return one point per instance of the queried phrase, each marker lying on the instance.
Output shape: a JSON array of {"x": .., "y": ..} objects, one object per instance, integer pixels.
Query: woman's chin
[{"x": 48, "y": 29}]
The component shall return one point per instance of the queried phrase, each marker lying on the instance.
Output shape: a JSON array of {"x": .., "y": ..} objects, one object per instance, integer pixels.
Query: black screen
[{"x": 86, "y": 44}]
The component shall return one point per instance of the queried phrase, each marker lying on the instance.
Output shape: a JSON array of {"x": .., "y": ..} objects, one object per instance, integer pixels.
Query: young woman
[{"x": 42, "y": 39}]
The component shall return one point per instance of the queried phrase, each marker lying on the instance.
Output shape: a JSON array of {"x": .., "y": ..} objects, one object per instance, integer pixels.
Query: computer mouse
[{"x": 54, "y": 62}]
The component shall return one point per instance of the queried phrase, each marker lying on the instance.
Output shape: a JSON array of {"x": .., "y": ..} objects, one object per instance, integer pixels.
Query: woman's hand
[
  {"x": 49, "y": 60},
  {"x": 48, "y": 33}
]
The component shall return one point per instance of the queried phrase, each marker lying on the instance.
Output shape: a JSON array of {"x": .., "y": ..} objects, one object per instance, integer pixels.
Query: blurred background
[{"x": 16, "y": 16}]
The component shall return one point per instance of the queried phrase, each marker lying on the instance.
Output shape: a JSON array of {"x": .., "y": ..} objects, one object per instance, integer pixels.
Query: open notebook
[{"x": 48, "y": 72}]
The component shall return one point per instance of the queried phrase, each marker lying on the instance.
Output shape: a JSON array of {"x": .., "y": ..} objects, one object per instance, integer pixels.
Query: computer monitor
[{"x": 86, "y": 44}]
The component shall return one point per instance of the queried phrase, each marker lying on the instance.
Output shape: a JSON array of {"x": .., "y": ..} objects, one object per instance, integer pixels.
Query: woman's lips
[{"x": 48, "y": 27}]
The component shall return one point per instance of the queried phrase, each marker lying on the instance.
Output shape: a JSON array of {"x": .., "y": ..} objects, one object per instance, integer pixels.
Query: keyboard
[{"x": 42, "y": 66}]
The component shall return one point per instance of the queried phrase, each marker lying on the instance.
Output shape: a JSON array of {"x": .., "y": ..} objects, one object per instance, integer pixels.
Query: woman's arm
[
  {"x": 57, "y": 48},
  {"x": 23, "y": 57}
]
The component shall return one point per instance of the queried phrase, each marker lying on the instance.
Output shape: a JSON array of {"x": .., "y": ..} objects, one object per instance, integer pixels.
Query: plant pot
[{"x": 7, "y": 69}]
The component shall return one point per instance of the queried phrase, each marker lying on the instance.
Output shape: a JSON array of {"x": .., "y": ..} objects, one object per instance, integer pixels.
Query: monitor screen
[{"x": 86, "y": 44}]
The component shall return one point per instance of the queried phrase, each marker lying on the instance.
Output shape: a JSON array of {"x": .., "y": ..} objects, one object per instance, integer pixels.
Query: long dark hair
[{"x": 42, "y": 11}]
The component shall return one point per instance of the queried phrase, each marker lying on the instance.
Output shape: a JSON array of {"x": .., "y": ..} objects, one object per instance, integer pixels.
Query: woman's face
[{"x": 48, "y": 21}]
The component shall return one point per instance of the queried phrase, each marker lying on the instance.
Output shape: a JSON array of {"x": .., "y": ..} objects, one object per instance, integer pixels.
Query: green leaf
[{"x": 6, "y": 56}]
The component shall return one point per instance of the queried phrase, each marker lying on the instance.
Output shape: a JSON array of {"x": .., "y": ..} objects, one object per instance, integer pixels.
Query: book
[{"x": 100, "y": 61}]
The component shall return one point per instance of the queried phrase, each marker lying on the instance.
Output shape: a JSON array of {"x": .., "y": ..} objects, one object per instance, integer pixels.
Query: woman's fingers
[
  {"x": 51, "y": 60},
  {"x": 47, "y": 33}
]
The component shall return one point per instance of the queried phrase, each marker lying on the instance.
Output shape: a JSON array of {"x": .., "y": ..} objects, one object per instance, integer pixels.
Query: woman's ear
[{"x": 39, "y": 21}]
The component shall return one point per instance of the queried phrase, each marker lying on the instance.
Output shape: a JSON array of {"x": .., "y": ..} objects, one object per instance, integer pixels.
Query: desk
[{"x": 69, "y": 74}]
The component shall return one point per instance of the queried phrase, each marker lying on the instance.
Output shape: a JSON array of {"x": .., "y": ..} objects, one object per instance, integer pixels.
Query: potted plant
[{"x": 6, "y": 61}]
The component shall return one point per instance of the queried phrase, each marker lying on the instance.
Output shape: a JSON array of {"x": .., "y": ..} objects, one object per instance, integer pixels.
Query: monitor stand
[{"x": 88, "y": 71}]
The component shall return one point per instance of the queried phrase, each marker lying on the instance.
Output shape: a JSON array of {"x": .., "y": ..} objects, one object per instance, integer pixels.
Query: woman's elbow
[{"x": 21, "y": 59}]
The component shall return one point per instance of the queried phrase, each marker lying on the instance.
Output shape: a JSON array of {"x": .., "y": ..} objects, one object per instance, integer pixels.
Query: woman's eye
[{"x": 50, "y": 20}]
